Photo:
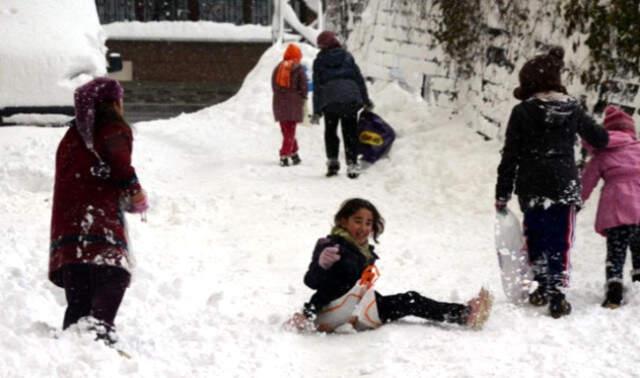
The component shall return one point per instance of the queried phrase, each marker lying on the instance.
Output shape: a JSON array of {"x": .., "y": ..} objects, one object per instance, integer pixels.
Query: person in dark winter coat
[
  {"x": 339, "y": 93},
  {"x": 618, "y": 217},
  {"x": 538, "y": 156},
  {"x": 342, "y": 258},
  {"x": 289, "y": 84},
  {"x": 94, "y": 183}
]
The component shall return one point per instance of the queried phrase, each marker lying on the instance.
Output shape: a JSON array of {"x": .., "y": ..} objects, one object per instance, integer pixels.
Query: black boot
[
  {"x": 614, "y": 295},
  {"x": 539, "y": 297},
  {"x": 635, "y": 277},
  {"x": 558, "y": 305},
  {"x": 284, "y": 161},
  {"x": 295, "y": 159},
  {"x": 333, "y": 166}
]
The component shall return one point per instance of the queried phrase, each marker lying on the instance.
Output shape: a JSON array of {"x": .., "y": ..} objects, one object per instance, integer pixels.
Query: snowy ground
[{"x": 229, "y": 237}]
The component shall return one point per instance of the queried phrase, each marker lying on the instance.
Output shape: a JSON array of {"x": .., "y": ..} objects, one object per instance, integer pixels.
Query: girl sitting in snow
[
  {"x": 538, "y": 157},
  {"x": 94, "y": 183},
  {"x": 342, "y": 271},
  {"x": 618, "y": 217},
  {"x": 289, "y": 84}
]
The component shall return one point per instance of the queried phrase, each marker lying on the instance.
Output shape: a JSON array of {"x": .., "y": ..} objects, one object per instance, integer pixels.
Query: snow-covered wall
[{"x": 395, "y": 40}]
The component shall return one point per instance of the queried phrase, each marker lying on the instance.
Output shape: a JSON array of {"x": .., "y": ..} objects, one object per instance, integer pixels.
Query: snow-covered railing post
[
  {"x": 277, "y": 24},
  {"x": 282, "y": 11},
  {"x": 281, "y": 22},
  {"x": 320, "y": 14}
]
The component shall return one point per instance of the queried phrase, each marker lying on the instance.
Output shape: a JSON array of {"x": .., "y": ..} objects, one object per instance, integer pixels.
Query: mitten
[
  {"x": 501, "y": 206},
  {"x": 315, "y": 119},
  {"x": 138, "y": 203},
  {"x": 328, "y": 257},
  {"x": 369, "y": 105}
]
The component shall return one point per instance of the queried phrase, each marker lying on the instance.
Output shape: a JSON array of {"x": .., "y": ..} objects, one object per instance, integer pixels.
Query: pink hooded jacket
[{"x": 618, "y": 165}]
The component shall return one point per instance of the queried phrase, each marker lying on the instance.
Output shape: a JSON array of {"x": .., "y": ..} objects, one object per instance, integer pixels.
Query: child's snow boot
[
  {"x": 284, "y": 161},
  {"x": 299, "y": 322},
  {"x": 539, "y": 297},
  {"x": 333, "y": 166},
  {"x": 353, "y": 171},
  {"x": 558, "y": 305},
  {"x": 295, "y": 159},
  {"x": 479, "y": 309},
  {"x": 614, "y": 295}
]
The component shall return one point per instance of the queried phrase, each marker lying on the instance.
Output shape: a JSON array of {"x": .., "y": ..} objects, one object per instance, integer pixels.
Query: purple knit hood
[{"x": 86, "y": 97}]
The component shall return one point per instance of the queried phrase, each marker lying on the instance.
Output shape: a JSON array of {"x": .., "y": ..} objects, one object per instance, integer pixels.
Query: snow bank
[
  {"x": 229, "y": 237},
  {"x": 48, "y": 48}
]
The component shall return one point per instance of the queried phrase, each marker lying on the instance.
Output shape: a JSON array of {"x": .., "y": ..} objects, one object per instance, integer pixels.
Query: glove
[
  {"x": 138, "y": 203},
  {"x": 369, "y": 105},
  {"x": 315, "y": 119},
  {"x": 501, "y": 206},
  {"x": 328, "y": 257}
]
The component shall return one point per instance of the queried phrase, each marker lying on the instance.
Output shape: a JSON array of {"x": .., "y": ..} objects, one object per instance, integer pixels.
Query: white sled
[
  {"x": 515, "y": 271},
  {"x": 357, "y": 307}
]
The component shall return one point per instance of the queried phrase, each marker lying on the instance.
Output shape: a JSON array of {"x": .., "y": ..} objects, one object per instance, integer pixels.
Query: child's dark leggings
[
  {"x": 93, "y": 290},
  {"x": 618, "y": 240},
  {"x": 393, "y": 307}
]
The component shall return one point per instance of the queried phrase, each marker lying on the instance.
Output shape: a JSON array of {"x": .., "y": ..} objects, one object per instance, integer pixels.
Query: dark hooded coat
[
  {"x": 538, "y": 155},
  {"x": 338, "y": 83},
  {"x": 336, "y": 281}
]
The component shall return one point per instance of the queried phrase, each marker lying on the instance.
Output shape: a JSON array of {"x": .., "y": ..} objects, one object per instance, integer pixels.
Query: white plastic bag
[{"x": 515, "y": 271}]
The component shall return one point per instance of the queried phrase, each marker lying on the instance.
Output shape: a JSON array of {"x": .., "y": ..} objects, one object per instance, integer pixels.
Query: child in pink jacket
[{"x": 618, "y": 217}]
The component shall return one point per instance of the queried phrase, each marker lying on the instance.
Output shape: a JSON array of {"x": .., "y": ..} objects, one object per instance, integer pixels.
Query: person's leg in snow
[
  {"x": 331, "y": 142},
  {"x": 289, "y": 145},
  {"x": 349, "y": 125},
  {"x": 549, "y": 232},
  {"x": 618, "y": 239},
  {"x": 76, "y": 279},
  {"x": 94, "y": 291},
  {"x": 635, "y": 254},
  {"x": 111, "y": 284},
  {"x": 394, "y": 307},
  {"x": 535, "y": 248}
]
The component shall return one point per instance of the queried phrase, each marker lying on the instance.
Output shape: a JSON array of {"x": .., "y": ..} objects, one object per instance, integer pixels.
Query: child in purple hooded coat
[{"x": 618, "y": 217}]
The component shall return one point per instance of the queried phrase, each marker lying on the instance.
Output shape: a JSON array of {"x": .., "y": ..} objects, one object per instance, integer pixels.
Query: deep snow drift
[{"x": 230, "y": 234}]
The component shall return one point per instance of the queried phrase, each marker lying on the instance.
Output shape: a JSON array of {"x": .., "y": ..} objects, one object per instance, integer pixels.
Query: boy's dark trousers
[
  {"x": 93, "y": 290},
  {"x": 393, "y": 307},
  {"x": 549, "y": 234},
  {"x": 349, "y": 125},
  {"x": 618, "y": 240}
]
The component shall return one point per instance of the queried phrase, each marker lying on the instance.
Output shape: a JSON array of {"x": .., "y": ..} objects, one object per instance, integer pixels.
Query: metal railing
[{"x": 233, "y": 11}]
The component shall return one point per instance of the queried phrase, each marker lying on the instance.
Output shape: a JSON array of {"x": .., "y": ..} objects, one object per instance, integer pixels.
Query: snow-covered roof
[{"x": 188, "y": 31}]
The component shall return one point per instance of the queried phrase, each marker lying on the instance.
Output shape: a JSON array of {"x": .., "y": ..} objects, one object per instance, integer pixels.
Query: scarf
[
  {"x": 283, "y": 76},
  {"x": 364, "y": 249},
  {"x": 292, "y": 56}
]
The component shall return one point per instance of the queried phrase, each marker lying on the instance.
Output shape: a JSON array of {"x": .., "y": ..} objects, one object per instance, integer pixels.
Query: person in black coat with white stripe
[{"x": 538, "y": 158}]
